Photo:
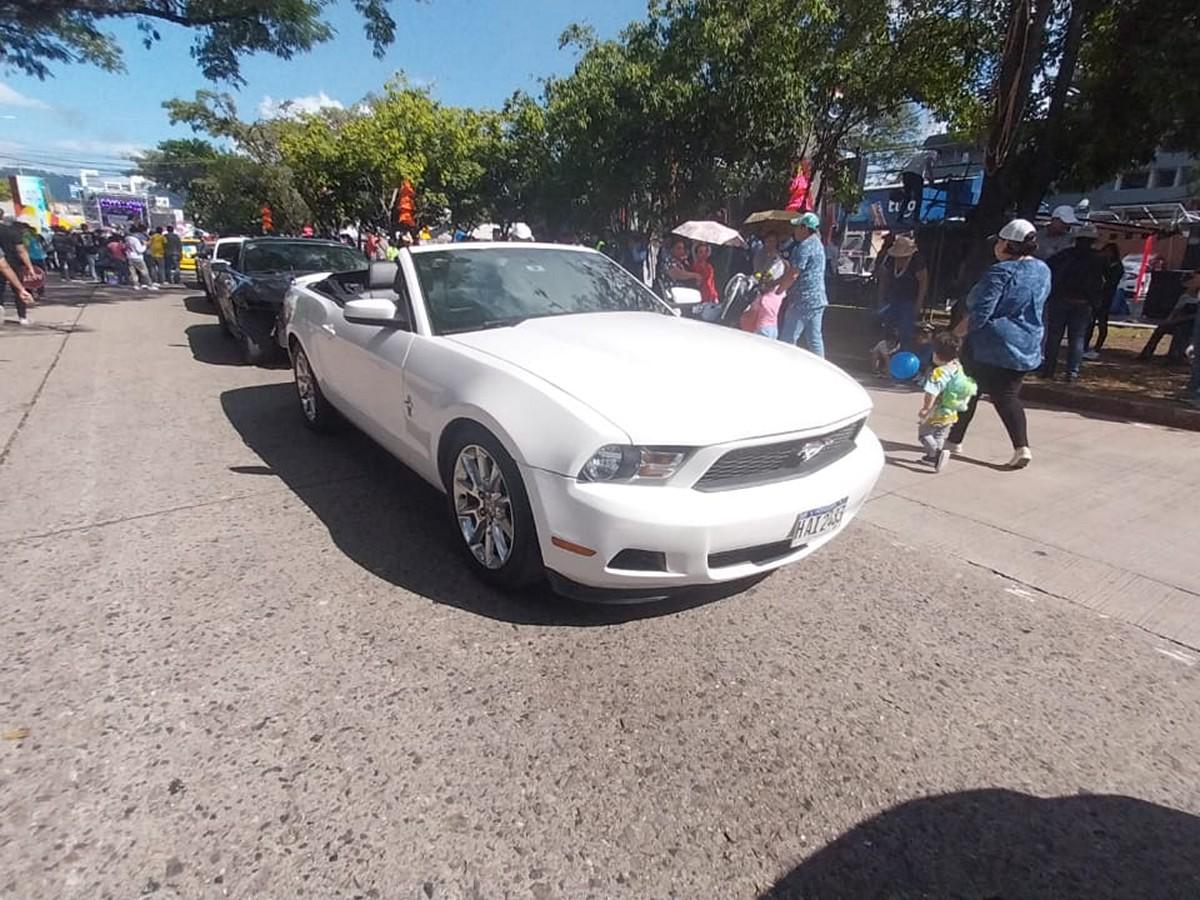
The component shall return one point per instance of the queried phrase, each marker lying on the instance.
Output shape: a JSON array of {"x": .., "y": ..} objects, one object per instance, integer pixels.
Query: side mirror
[
  {"x": 220, "y": 265},
  {"x": 373, "y": 311}
]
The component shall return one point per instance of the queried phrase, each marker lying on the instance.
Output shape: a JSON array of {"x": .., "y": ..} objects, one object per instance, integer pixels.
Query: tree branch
[{"x": 101, "y": 9}]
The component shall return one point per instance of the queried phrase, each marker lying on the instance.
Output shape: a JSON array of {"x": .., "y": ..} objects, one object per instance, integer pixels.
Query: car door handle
[{"x": 325, "y": 326}]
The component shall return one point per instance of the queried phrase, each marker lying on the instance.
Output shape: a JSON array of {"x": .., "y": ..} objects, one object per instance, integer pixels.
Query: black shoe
[{"x": 1070, "y": 379}]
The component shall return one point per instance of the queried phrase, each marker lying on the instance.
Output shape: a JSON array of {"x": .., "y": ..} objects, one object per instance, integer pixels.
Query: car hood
[{"x": 665, "y": 380}]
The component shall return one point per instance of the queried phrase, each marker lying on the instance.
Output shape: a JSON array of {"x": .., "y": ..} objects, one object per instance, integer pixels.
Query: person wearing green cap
[{"x": 804, "y": 282}]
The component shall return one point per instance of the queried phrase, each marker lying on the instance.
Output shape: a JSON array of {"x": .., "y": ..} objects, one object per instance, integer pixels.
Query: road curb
[{"x": 1116, "y": 407}]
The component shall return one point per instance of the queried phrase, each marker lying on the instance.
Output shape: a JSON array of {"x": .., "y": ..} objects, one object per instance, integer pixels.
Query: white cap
[
  {"x": 1065, "y": 214},
  {"x": 1017, "y": 231}
]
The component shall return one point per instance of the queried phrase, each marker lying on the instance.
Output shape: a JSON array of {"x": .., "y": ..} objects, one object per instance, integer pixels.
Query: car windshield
[
  {"x": 300, "y": 256},
  {"x": 469, "y": 290}
]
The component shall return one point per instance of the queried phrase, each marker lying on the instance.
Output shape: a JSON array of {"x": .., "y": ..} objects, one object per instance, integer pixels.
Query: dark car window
[
  {"x": 299, "y": 256},
  {"x": 467, "y": 290},
  {"x": 228, "y": 252}
]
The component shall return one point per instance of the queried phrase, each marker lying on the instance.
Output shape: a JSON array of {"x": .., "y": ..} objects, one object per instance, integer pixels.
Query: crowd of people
[{"x": 138, "y": 256}]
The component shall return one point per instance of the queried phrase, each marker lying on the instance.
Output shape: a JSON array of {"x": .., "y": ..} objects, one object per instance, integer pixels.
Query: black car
[{"x": 248, "y": 289}]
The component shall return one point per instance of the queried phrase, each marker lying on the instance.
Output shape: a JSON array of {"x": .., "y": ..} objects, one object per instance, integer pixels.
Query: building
[
  {"x": 1160, "y": 200},
  {"x": 120, "y": 200}
]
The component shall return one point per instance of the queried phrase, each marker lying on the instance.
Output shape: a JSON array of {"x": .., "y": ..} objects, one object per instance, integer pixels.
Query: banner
[{"x": 30, "y": 201}]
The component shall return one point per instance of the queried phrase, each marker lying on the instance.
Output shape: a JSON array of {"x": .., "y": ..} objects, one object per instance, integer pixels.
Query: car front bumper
[{"x": 704, "y": 537}]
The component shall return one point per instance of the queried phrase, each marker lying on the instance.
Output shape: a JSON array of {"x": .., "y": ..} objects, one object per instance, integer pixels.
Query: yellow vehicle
[{"x": 187, "y": 262}]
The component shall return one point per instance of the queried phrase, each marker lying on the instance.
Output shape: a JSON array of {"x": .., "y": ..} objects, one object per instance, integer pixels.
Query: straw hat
[{"x": 903, "y": 247}]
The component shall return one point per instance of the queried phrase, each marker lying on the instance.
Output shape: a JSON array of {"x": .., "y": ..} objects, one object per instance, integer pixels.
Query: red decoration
[{"x": 406, "y": 204}]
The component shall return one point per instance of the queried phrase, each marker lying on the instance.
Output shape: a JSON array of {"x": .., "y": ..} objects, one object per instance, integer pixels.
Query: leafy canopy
[{"x": 37, "y": 34}]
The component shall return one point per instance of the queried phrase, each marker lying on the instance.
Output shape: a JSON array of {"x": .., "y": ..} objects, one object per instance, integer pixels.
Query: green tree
[
  {"x": 516, "y": 162},
  {"x": 228, "y": 195},
  {"x": 1070, "y": 92},
  {"x": 348, "y": 164},
  {"x": 176, "y": 163},
  {"x": 37, "y": 34},
  {"x": 224, "y": 190},
  {"x": 710, "y": 99}
]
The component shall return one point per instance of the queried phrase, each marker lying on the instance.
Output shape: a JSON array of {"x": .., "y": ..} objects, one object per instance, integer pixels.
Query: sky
[{"x": 468, "y": 52}]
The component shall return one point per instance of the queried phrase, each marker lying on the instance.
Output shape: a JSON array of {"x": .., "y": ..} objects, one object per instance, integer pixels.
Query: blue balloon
[{"x": 904, "y": 365}]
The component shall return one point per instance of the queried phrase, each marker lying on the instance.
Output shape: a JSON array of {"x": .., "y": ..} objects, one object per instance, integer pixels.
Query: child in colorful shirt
[{"x": 947, "y": 392}]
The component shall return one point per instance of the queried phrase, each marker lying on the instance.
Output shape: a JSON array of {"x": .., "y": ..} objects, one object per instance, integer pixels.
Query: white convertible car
[{"x": 579, "y": 428}]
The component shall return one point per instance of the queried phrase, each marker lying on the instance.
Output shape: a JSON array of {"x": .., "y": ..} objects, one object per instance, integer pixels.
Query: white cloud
[
  {"x": 93, "y": 148},
  {"x": 270, "y": 108},
  {"x": 12, "y": 97}
]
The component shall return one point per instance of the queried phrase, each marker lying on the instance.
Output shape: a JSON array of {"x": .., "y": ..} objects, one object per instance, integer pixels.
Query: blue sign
[{"x": 950, "y": 198}]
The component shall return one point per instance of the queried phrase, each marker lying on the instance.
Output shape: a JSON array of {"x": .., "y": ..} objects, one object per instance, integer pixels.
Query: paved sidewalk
[{"x": 1105, "y": 516}]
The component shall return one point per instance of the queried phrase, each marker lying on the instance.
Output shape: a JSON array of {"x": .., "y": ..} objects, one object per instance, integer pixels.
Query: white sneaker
[
  {"x": 942, "y": 458},
  {"x": 1022, "y": 457},
  {"x": 952, "y": 448},
  {"x": 153, "y": 287},
  {"x": 1091, "y": 354},
  {"x": 24, "y": 320}
]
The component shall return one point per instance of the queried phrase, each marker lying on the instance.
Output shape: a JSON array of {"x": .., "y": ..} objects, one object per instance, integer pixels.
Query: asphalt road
[{"x": 241, "y": 660}]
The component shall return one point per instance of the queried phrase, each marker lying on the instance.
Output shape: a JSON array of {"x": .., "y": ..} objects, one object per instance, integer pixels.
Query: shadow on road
[
  {"x": 1003, "y": 845},
  {"x": 391, "y": 522},
  {"x": 212, "y": 344},
  {"x": 198, "y": 304}
]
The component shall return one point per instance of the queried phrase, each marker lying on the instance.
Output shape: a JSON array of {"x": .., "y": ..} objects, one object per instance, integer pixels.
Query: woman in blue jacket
[{"x": 1005, "y": 330}]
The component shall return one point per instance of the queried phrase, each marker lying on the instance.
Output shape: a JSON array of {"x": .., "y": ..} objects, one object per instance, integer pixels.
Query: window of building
[
  {"x": 1164, "y": 178},
  {"x": 1133, "y": 181}
]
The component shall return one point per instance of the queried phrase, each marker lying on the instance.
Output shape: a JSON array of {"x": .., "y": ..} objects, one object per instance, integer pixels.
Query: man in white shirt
[
  {"x": 1057, "y": 236},
  {"x": 135, "y": 253},
  {"x": 913, "y": 176}
]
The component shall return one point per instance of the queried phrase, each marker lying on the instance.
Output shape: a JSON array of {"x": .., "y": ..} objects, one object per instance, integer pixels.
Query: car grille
[{"x": 767, "y": 463}]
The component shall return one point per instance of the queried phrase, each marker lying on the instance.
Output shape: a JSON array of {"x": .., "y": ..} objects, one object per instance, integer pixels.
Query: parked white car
[{"x": 577, "y": 425}]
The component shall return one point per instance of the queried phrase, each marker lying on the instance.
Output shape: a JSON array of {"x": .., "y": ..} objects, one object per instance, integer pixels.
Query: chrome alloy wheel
[
  {"x": 306, "y": 386},
  {"x": 482, "y": 506}
]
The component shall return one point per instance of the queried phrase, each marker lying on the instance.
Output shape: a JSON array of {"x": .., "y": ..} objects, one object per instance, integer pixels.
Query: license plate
[{"x": 816, "y": 522}]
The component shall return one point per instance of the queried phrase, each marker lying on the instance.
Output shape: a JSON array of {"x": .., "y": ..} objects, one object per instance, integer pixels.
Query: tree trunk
[
  {"x": 1024, "y": 47},
  {"x": 1045, "y": 168}
]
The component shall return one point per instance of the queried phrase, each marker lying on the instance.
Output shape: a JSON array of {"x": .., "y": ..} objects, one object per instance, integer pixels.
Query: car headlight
[{"x": 617, "y": 462}]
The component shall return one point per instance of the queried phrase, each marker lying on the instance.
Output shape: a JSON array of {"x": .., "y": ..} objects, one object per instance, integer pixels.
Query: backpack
[{"x": 956, "y": 395}]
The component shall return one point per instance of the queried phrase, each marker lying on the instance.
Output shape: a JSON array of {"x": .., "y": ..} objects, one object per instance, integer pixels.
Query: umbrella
[
  {"x": 710, "y": 233},
  {"x": 780, "y": 217}
]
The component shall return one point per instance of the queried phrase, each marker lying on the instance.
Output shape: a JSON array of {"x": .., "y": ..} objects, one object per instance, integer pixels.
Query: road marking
[{"x": 1178, "y": 655}]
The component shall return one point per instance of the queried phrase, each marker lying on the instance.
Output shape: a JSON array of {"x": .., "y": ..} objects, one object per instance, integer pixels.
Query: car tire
[
  {"x": 319, "y": 414},
  {"x": 489, "y": 510},
  {"x": 221, "y": 319}
]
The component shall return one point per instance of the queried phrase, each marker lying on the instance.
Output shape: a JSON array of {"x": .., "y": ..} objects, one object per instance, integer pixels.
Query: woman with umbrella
[{"x": 700, "y": 273}]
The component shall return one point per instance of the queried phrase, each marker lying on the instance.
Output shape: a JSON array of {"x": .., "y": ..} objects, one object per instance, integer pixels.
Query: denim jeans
[
  {"x": 171, "y": 263},
  {"x": 1074, "y": 319},
  {"x": 933, "y": 438},
  {"x": 806, "y": 323},
  {"x": 769, "y": 331}
]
